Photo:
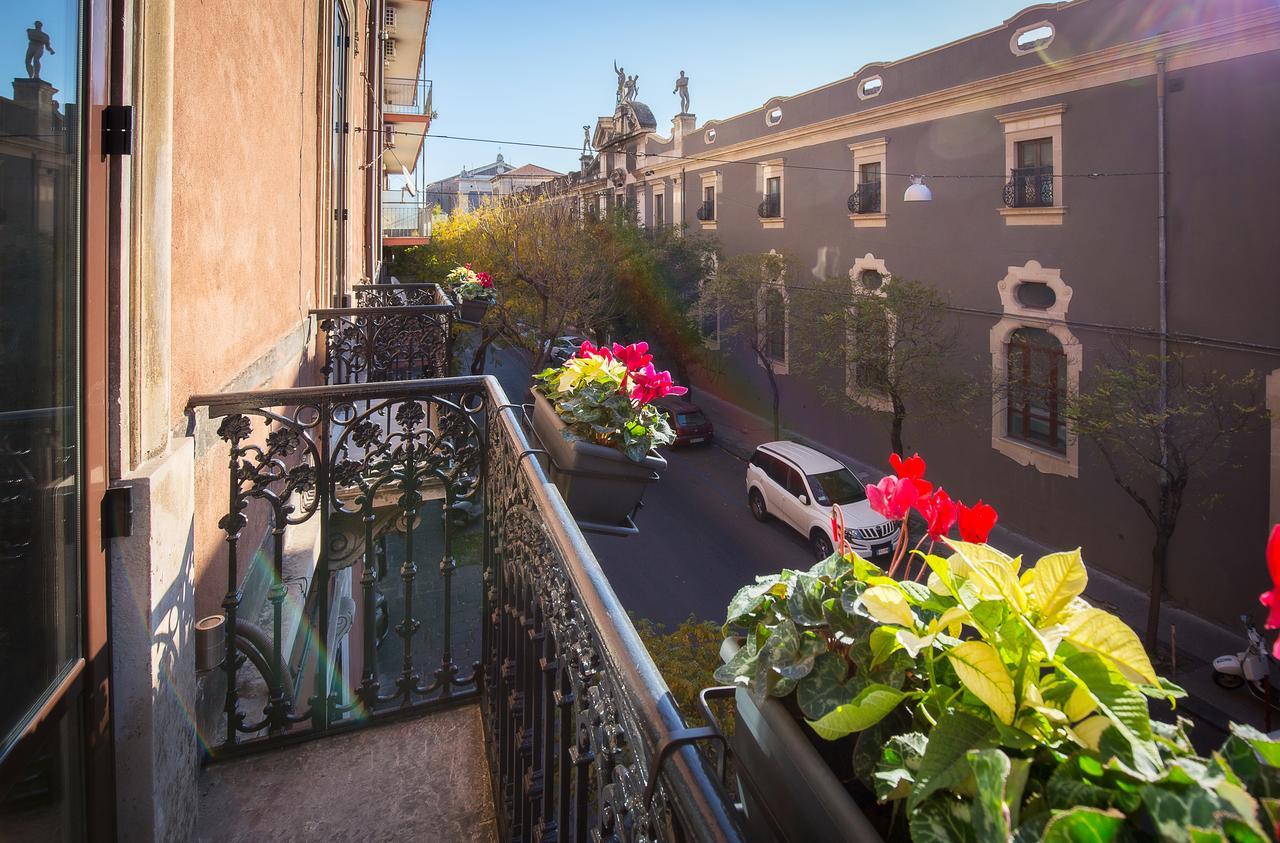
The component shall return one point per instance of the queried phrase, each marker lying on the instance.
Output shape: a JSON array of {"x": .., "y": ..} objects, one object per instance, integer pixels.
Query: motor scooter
[{"x": 1251, "y": 667}]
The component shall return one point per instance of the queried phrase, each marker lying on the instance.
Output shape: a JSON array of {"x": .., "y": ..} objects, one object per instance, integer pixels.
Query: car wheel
[
  {"x": 821, "y": 543},
  {"x": 758, "y": 511},
  {"x": 1227, "y": 680}
]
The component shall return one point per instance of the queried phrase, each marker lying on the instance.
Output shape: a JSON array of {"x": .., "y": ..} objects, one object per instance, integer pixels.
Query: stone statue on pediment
[
  {"x": 37, "y": 42},
  {"x": 682, "y": 88}
]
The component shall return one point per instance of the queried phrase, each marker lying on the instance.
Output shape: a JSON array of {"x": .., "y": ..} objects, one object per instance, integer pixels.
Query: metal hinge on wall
[
  {"x": 117, "y": 130},
  {"x": 339, "y": 214},
  {"x": 117, "y": 513}
]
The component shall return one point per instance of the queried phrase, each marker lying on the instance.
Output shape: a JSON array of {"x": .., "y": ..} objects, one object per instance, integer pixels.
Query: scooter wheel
[{"x": 1227, "y": 680}]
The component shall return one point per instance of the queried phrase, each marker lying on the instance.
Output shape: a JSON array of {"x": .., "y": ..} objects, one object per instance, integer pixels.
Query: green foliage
[
  {"x": 1001, "y": 705},
  {"x": 687, "y": 658}
]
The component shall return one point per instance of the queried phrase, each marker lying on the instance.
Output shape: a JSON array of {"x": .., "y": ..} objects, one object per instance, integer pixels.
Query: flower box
[
  {"x": 786, "y": 784},
  {"x": 472, "y": 311},
  {"x": 599, "y": 484}
]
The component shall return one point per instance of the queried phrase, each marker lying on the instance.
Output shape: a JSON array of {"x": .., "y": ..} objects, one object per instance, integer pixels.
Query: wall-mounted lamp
[{"x": 917, "y": 191}]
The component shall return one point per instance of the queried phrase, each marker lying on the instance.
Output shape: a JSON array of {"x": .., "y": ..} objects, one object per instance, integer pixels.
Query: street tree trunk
[
  {"x": 1159, "y": 560},
  {"x": 895, "y": 429},
  {"x": 478, "y": 359},
  {"x": 773, "y": 390}
]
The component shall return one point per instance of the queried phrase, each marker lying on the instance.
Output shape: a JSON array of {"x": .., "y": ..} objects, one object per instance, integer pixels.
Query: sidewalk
[{"x": 739, "y": 431}]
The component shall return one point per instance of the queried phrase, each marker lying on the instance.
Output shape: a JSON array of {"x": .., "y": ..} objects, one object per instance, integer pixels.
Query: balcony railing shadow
[{"x": 447, "y": 569}]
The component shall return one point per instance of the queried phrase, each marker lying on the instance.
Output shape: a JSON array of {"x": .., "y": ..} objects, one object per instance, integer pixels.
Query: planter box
[
  {"x": 788, "y": 791},
  {"x": 472, "y": 311},
  {"x": 599, "y": 485}
]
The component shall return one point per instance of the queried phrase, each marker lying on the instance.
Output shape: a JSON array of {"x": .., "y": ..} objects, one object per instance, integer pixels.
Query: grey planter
[
  {"x": 788, "y": 791},
  {"x": 472, "y": 311},
  {"x": 599, "y": 485}
]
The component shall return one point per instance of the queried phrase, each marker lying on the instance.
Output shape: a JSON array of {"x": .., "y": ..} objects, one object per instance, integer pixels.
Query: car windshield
[
  {"x": 690, "y": 419},
  {"x": 836, "y": 487}
]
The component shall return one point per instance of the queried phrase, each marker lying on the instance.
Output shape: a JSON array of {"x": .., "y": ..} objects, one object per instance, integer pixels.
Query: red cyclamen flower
[
  {"x": 484, "y": 279},
  {"x": 1271, "y": 599},
  {"x": 651, "y": 384},
  {"x": 635, "y": 356},
  {"x": 589, "y": 350},
  {"x": 976, "y": 522},
  {"x": 940, "y": 513},
  {"x": 892, "y": 497},
  {"x": 837, "y": 529},
  {"x": 912, "y": 468}
]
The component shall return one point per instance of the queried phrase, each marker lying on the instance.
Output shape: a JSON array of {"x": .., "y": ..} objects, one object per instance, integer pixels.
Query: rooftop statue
[
  {"x": 633, "y": 88},
  {"x": 37, "y": 43},
  {"x": 622, "y": 80},
  {"x": 682, "y": 88},
  {"x": 586, "y": 139}
]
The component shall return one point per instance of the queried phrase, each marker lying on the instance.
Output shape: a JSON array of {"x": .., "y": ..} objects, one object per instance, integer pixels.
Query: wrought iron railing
[
  {"x": 37, "y": 458},
  {"x": 771, "y": 207},
  {"x": 582, "y": 736},
  {"x": 706, "y": 211},
  {"x": 386, "y": 343},
  {"x": 865, "y": 199},
  {"x": 400, "y": 295},
  {"x": 406, "y": 219},
  {"x": 406, "y": 96},
  {"x": 1029, "y": 187}
]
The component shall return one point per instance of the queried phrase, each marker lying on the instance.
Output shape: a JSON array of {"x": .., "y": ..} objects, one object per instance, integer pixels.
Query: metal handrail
[
  {"x": 563, "y": 677},
  {"x": 386, "y": 343},
  {"x": 771, "y": 207},
  {"x": 1029, "y": 187},
  {"x": 406, "y": 96},
  {"x": 865, "y": 199},
  {"x": 403, "y": 294},
  {"x": 706, "y": 211}
]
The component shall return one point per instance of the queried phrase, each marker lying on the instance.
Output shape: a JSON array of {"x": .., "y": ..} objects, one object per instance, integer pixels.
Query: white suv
[{"x": 798, "y": 486}]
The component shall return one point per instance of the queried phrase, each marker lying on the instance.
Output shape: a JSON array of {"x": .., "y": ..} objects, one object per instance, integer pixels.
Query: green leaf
[
  {"x": 871, "y": 705},
  {"x": 1123, "y": 703},
  {"x": 899, "y": 762},
  {"x": 942, "y": 821},
  {"x": 1083, "y": 825},
  {"x": 944, "y": 763},
  {"x": 1267, "y": 749},
  {"x": 1070, "y": 785},
  {"x": 742, "y": 667},
  {"x": 748, "y": 600},
  {"x": 990, "y": 810},
  {"x": 884, "y": 640},
  {"x": 804, "y": 603},
  {"x": 826, "y": 686}
]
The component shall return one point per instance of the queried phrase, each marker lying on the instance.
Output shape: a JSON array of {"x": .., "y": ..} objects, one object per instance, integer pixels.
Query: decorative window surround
[
  {"x": 871, "y": 400},
  {"x": 711, "y": 340},
  {"x": 1030, "y": 124},
  {"x": 1053, "y": 320},
  {"x": 709, "y": 179},
  {"x": 774, "y": 169},
  {"x": 1036, "y": 46},
  {"x": 870, "y": 87},
  {"x": 659, "y": 194},
  {"x": 871, "y": 152},
  {"x": 779, "y": 366}
]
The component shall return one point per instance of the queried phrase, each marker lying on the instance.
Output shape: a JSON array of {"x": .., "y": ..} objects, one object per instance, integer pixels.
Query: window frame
[
  {"x": 869, "y": 398},
  {"x": 1043, "y": 123},
  {"x": 1020, "y": 416},
  {"x": 874, "y": 151},
  {"x": 769, "y": 170},
  {"x": 711, "y": 180}
]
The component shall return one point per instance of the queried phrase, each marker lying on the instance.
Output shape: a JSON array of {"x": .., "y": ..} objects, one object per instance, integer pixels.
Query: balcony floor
[{"x": 423, "y": 778}]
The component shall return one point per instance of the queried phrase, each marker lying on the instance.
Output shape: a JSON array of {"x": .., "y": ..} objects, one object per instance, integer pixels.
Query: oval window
[
  {"x": 869, "y": 88},
  {"x": 710, "y": 136},
  {"x": 1031, "y": 38},
  {"x": 1036, "y": 295},
  {"x": 773, "y": 116},
  {"x": 871, "y": 279}
]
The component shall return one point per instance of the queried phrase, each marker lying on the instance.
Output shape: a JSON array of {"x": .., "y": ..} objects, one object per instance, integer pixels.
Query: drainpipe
[{"x": 1163, "y": 256}]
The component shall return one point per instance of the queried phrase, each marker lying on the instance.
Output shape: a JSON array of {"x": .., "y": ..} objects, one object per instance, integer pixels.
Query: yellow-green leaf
[
  {"x": 866, "y": 710},
  {"x": 1090, "y": 731},
  {"x": 979, "y": 667},
  {"x": 1080, "y": 704},
  {"x": 1055, "y": 581},
  {"x": 950, "y": 620},
  {"x": 1101, "y": 632},
  {"x": 887, "y": 604}
]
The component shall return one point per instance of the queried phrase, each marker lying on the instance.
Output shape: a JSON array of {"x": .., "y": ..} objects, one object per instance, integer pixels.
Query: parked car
[
  {"x": 798, "y": 486},
  {"x": 687, "y": 421},
  {"x": 562, "y": 348}
]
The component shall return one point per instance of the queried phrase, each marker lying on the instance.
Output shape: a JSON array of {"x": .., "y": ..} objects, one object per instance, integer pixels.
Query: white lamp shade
[{"x": 917, "y": 191}]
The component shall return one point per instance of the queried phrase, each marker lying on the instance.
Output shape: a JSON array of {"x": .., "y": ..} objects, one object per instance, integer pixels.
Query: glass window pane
[
  {"x": 44, "y": 802},
  {"x": 39, "y": 354}
]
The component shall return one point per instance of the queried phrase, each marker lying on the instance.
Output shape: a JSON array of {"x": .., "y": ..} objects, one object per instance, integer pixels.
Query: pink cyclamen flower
[
  {"x": 589, "y": 350},
  {"x": 912, "y": 468},
  {"x": 976, "y": 522},
  {"x": 1271, "y": 599},
  {"x": 892, "y": 497},
  {"x": 837, "y": 529},
  {"x": 940, "y": 513},
  {"x": 651, "y": 384},
  {"x": 635, "y": 356},
  {"x": 484, "y": 279}
]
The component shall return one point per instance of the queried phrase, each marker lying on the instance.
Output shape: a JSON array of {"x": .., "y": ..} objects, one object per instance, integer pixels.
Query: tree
[
  {"x": 749, "y": 292},
  {"x": 888, "y": 350},
  {"x": 1158, "y": 441}
]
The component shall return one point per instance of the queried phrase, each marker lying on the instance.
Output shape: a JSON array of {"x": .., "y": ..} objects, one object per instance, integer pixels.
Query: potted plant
[
  {"x": 473, "y": 291},
  {"x": 970, "y": 699},
  {"x": 596, "y": 419}
]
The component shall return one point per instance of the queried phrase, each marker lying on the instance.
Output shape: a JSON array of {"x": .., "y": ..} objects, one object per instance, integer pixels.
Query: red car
[{"x": 688, "y": 423}]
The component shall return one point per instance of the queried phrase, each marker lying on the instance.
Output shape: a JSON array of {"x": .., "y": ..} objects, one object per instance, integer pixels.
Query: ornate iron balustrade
[
  {"x": 37, "y": 458},
  {"x": 400, "y": 295},
  {"x": 865, "y": 199},
  {"x": 706, "y": 211},
  {"x": 583, "y": 738},
  {"x": 771, "y": 207},
  {"x": 386, "y": 343},
  {"x": 1029, "y": 187}
]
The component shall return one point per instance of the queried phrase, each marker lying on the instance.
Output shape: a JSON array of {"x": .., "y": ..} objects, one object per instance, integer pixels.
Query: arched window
[
  {"x": 1037, "y": 388},
  {"x": 775, "y": 325}
]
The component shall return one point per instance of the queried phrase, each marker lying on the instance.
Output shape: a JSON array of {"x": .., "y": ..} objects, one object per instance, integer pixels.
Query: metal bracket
[
  {"x": 677, "y": 740},
  {"x": 117, "y": 130},
  {"x": 117, "y": 513}
]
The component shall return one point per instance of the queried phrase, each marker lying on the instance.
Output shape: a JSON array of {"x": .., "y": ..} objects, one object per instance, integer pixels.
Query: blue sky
[
  {"x": 58, "y": 17},
  {"x": 521, "y": 70}
]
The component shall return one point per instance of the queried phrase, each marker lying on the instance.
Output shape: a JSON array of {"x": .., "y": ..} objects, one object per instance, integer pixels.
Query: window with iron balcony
[{"x": 771, "y": 207}]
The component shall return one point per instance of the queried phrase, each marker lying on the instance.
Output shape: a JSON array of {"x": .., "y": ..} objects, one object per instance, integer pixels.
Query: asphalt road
[{"x": 698, "y": 543}]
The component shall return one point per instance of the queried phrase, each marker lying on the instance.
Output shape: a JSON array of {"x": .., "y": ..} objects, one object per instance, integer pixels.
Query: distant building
[
  {"x": 530, "y": 175},
  {"x": 468, "y": 189}
]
